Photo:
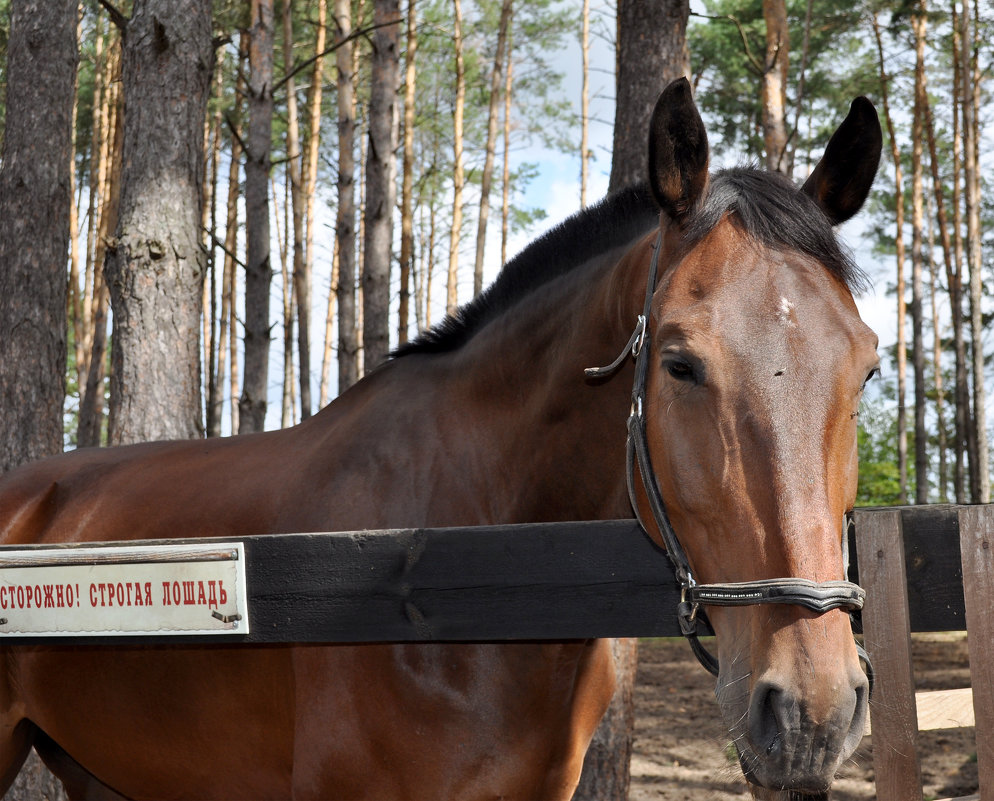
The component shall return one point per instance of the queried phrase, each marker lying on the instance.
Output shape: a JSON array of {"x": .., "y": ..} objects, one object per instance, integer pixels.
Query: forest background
[
  {"x": 299, "y": 186},
  {"x": 501, "y": 124}
]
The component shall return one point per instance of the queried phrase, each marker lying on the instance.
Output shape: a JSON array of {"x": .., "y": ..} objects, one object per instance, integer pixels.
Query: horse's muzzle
[{"x": 785, "y": 748}]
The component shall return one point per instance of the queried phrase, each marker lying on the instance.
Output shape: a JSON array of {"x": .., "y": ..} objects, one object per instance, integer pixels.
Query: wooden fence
[{"x": 597, "y": 579}]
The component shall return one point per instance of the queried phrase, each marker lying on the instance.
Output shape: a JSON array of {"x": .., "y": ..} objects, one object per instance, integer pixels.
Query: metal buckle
[{"x": 640, "y": 325}]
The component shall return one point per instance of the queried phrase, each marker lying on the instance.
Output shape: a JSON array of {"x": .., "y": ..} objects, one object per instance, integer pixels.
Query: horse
[{"x": 759, "y": 358}]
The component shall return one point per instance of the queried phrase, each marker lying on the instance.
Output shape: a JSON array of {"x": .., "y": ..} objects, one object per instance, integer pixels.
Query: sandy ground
[{"x": 680, "y": 743}]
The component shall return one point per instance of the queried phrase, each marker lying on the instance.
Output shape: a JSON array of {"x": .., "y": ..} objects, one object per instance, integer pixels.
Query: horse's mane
[
  {"x": 765, "y": 205},
  {"x": 770, "y": 208},
  {"x": 617, "y": 219}
]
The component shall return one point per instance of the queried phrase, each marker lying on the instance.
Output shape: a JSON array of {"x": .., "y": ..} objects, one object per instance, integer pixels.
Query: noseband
[{"x": 818, "y": 596}]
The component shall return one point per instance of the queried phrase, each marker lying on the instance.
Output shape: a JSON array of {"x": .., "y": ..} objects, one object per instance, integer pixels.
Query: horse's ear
[
  {"x": 678, "y": 151},
  {"x": 842, "y": 179}
]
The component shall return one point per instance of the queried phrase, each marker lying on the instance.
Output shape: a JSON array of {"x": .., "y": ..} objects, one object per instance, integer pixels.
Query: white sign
[{"x": 123, "y": 590}]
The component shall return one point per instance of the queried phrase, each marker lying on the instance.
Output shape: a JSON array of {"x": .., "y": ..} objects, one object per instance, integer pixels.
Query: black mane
[
  {"x": 769, "y": 207},
  {"x": 765, "y": 205}
]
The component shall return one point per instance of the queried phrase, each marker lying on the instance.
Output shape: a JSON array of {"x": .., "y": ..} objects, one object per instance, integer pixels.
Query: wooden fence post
[
  {"x": 977, "y": 550},
  {"x": 887, "y": 628}
]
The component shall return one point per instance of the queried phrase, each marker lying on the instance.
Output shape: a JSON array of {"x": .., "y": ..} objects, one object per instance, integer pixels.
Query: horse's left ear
[
  {"x": 678, "y": 151},
  {"x": 842, "y": 179}
]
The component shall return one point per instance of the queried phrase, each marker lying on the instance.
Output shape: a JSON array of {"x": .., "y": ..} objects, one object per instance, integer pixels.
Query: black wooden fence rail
[{"x": 520, "y": 582}]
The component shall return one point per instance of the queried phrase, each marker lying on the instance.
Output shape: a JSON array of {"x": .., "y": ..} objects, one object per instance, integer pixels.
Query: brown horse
[{"x": 759, "y": 359}]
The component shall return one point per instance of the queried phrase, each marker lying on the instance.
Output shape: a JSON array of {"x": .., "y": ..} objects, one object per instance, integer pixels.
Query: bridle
[{"x": 818, "y": 596}]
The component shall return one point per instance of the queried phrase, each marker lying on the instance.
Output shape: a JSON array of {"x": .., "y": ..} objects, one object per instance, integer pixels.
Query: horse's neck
[{"x": 541, "y": 441}]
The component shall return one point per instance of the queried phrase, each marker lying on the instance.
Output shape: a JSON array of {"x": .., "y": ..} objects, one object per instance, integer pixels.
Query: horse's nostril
[
  {"x": 764, "y": 725},
  {"x": 858, "y": 723}
]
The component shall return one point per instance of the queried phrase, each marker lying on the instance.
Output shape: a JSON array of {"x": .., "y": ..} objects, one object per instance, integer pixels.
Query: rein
[{"x": 818, "y": 596}]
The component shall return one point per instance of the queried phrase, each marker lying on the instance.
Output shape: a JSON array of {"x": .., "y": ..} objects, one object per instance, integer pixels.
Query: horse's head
[{"x": 757, "y": 360}]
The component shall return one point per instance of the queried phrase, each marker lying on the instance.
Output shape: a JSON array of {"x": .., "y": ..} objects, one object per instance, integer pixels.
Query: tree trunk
[
  {"x": 300, "y": 278},
  {"x": 584, "y": 100},
  {"x": 918, "y": 24},
  {"x": 156, "y": 264},
  {"x": 979, "y": 471},
  {"x": 348, "y": 347},
  {"x": 954, "y": 282},
  {"x": 902, "y": 424},
  {"x": 968, "y": 442},
  {"x": 407, "y": 186},
  {"x": 289, "y": 301},
  {"x": 226, "y": 340},
  {"x": 35, "y": 196},
  {"x": 90, "y": 433},
  {"x": 310, "y": 192},
  {"x": 212, "y": 354},
  {"x": 36, "y": 200},
  {"x": 452, "y": 284},
  {"x": 98, "y": 161},
  {"x": 937, "y": 378},
  {"x": 258, "y": 270},
  {"x": 652, "y": 52},
  {"x": 774, "y": 87},
  {"x": 74, "y": 307},
  {"x": 606, "y": 765},
  {"x": 505, "y": 204},
  {"x": 381, "y": 188},
  {"x": 491, "y": 146},
  {"x": 329, "y": 331}
]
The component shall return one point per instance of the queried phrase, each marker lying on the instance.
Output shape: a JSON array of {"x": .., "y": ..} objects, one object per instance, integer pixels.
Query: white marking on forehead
[{"x": 783, "y": 313}]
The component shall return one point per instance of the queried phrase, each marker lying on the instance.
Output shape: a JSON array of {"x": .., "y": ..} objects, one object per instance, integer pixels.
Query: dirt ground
[{"x": 680, "y": 743}]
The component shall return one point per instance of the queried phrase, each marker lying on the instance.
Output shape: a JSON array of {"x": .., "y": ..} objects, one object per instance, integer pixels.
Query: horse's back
[
  {"x": 283, "y": 721},
  {"x": 145, "y": 491}
]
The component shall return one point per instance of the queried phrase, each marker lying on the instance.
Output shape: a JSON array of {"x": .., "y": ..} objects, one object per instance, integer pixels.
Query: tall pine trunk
[
  {"x": 294, "y": 168},
  {"x": 226, "y": 339},
  {"x": 98, "y": 162},
  {"x": 902, "y": 356},
  {"x": 310, "y": 193},
  {"x": 407, "y": 181},
  {"x": 258, "y": 270},
  {"x": 35, "y": 198},
  {"x": 652, "y": 52},
  {"x": 918, "y": 23},
  {"x": 979, "y": 471},
  {"x": 937, "y": 376},
  {"x": 213, "y": 325},
  {"x": 156, "y": 265},
  {"x": 773, "y": 95},
  {"x": 381, "y": 188},
  {"x": 961, "y": 395},
  {"x": 348, "y": 347},
  {"x": 505, "y": 204},
  {"x": 91, "y": 407},
  {"x": 486, "y": 179},
  {"x": 584, "y": 100},
  {"x": 458, "y": 178}
]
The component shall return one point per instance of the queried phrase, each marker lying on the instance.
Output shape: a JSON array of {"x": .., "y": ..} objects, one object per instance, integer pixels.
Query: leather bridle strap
[{"x": 817, "y": 596}]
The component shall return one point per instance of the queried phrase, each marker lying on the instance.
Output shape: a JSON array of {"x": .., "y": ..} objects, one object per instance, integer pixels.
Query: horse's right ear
[
  {"x": 678, "y": 151},
  {"x": 842, "y": 179}
]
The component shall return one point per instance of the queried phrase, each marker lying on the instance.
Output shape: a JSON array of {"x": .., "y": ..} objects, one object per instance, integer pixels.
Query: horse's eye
[
  {"x": 871, "y": 375},
  {"x": 680, "y": 370}
]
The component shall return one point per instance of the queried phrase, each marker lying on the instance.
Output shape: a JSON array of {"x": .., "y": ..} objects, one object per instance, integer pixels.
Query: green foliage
[
  {"x": 727, "y": 54},
  {"x": 879, "y": 483}
]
